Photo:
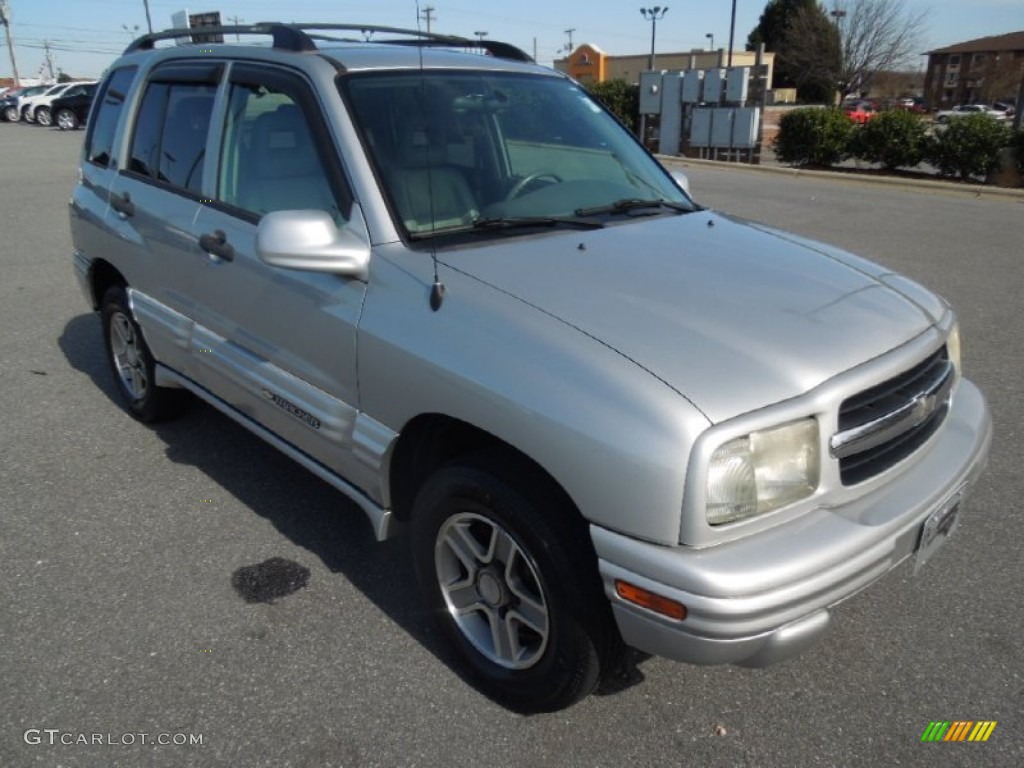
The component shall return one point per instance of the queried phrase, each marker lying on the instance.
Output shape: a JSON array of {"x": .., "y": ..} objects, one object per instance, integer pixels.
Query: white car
[
  {"x": 41, "y": 112},
  {"x": 29, "y": 106},
  {"x": 969, "y": 109}
]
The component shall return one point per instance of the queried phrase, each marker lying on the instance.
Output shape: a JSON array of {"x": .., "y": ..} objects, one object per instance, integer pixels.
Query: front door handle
[
  {"x": 123, "y": 205},
  {"x": 217, "y": 244}
]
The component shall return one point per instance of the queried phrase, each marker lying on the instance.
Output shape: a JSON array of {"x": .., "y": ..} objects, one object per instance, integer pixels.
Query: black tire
[
  {"x": 542, "y": 573},
  {"x": 132, "y": 363},
  {"x": 11, "y": 113},
  {"x": 44, "y": 117}
]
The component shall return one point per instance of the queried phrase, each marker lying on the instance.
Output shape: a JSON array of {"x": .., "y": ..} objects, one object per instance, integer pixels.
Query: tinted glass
[
  {"x": 169, "y": 142},
  {"x": 100, "y": 140}
]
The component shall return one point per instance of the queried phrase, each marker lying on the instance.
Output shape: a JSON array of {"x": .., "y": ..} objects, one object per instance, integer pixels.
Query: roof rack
[{"x": 293, "y": 37}]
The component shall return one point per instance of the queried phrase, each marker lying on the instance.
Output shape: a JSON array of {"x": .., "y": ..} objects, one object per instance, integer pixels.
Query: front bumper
[{"x": 767, "y": 597}]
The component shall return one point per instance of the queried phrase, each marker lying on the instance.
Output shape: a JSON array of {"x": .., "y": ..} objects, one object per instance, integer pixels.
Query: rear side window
[
  {"x": 169, "y": 143},
  {"x": 99, "y": 142}
]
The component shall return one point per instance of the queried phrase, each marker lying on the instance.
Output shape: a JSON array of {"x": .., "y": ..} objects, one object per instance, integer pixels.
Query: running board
[{"x": 382, "y": 520}]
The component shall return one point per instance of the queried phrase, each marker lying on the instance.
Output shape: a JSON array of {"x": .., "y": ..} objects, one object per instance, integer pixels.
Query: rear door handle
[
  {"x": 123, "y": 205},
  {"x": 217, "y": 244}
]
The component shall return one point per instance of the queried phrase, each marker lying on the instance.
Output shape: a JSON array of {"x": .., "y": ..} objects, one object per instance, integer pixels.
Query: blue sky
[{"x": 86, "y": 35}]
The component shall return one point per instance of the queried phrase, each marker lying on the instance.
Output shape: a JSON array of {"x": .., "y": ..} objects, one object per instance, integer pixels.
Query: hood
[{"x": 733, "y": 316}]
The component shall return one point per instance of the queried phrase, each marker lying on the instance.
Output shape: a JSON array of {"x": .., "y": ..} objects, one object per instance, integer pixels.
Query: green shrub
[
  {"x": 814, "y": 136},
  {"x": 895, "y": 138},
  {"x": 969, "y": 146},
  {"x": 621, "y": 98}
]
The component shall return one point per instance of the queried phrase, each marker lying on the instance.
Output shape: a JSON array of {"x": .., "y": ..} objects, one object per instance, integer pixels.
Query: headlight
[
  {"x": 953, "y": 347},
  {"x": 763, "y": 471}
]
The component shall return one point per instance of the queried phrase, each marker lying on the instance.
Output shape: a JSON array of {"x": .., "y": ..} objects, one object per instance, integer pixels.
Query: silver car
[{"x": 453, "y": 286}]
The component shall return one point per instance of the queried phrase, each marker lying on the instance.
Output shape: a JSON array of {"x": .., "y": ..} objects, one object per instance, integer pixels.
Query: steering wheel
[{"x": 521, "y": 185}]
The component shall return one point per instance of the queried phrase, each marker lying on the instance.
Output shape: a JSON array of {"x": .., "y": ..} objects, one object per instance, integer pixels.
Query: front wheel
[
  {"x": 11, "y": 113},
  {"x": 132, "y": 363},
  {"x": 44, "y": 117},
  {"x": 512, "y": 581}
]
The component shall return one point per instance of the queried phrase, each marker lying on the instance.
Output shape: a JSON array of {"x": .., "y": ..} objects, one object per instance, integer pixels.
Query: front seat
[{"x": 429, "y": 192}]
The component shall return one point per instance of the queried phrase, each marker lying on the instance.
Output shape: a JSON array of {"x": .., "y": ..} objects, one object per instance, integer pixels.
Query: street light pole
[
  {"x": 711, "y": 37},
  {"x": 149, "y": 21},
  {"x": 653, "y": 15}
]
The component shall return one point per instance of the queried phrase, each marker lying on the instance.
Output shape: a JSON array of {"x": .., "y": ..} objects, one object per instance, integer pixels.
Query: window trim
[{"x": 94, "y": 112}]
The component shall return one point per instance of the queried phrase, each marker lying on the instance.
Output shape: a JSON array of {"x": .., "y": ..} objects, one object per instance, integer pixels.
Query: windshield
[{"x": 455, "y": 150}]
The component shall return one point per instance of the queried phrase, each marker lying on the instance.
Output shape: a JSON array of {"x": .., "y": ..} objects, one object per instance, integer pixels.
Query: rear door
[{"x": 156, "y": 198}]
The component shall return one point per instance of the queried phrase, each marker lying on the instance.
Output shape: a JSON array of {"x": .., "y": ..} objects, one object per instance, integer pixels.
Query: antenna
[{"x": 437, "y": 289}]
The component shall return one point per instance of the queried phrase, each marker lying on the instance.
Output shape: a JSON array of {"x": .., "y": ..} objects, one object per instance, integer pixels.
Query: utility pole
[
  {"x": 428, "y": 16},
  {"x": 568, "y": 46},
  {"x": 653, "y": 15},
  {"x": 5, "y": 19},
  {"x": 732, "y": 30},
  {"x": 149, "y": 21},
  {"x": 236, "y": 20},
  {"x": 48, "y": 61}
]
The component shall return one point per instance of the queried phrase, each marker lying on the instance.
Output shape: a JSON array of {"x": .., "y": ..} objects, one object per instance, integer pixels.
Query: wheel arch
[
  {"x": 102, "y": 276},
  {"x": 429, "y": 441}
]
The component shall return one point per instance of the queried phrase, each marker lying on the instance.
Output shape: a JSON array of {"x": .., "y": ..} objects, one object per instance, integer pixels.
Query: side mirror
[
  {"x": 310, "y": 240},
  {"x": 682, "y": 181}
]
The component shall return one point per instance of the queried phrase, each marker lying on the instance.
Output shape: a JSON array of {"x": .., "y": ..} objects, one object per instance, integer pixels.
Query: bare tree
[{"x": 872, "y": 36}]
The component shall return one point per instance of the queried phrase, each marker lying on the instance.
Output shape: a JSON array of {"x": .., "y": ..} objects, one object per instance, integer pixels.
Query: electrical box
[
  {"x": 737, "y": 84},
  {"x": 700, "y": 127},
  {"x": 650, "y": 93},
  {"x": 744, "y": 127},
  {"x": 693, "y": 81},
  {"x": 671, "y": 113},
  {"x": 714, "y": 85},
  {"x": 721, "y": 127}
]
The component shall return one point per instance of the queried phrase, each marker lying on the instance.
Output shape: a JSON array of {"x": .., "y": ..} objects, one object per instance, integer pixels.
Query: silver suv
[{"x": 448, "y": 282}]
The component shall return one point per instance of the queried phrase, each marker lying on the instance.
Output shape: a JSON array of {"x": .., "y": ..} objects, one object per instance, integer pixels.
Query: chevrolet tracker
[{"x": 453, "y": 286}]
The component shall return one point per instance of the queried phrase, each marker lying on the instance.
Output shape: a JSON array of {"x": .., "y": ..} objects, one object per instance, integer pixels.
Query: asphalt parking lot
[{"x": 127, "y": 552}]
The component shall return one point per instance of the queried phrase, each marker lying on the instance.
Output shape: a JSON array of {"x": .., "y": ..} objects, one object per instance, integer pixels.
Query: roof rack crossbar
[{"x": 293, "y": 37}]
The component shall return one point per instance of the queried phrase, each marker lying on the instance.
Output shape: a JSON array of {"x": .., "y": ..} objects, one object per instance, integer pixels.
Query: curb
[{"x": 975, "y": 190}]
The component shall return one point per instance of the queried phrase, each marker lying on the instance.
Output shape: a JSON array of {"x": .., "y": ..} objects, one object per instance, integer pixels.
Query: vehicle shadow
[
  {"x": 309, "y": 512},
  {"x": 302, "y": 507}
]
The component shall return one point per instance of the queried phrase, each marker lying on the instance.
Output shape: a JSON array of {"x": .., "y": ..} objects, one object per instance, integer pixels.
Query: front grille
[{"x": 884, "y": 424}]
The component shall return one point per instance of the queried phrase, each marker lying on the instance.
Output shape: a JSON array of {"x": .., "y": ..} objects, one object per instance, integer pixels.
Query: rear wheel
[
  {"x": 511, "y": 578},
  {"x": 44, "y": 117},
  {"x": 67, "y": 120},
  {"x": 132, "y": 363}
]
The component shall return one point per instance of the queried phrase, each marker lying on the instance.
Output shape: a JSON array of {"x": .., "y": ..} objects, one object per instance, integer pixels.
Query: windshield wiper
[
  {"x": 520, "y": 222},
  {"x": 634, "y": 204}
]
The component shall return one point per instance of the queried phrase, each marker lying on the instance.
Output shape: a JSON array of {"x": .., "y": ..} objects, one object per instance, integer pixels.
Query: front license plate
[{"x": 937, "y": 528}]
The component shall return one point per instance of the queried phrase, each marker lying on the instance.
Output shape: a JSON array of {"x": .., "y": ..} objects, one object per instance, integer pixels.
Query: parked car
[
  {"x": 29, "y": 105},
  {"x": 454, "y": 287},
  {"x": 12, "y": 111},
  {"x": 7, "y": 100},
  {"x": 961, "y": 110},
  {"x": 71, "y": 110},
  {"x": 860, "y": 112}
]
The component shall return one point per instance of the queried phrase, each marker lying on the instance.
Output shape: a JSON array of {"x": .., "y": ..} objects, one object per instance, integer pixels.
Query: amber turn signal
[{"x": 650, "y": 601}]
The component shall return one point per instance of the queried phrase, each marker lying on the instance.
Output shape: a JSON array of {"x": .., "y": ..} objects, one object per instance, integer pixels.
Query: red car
[{"x": 860, "y": 112}]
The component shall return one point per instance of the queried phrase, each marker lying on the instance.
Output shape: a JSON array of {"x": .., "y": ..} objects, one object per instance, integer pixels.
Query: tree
[
  {"x": 812, "y": 51},
  {"x": 771, "y": 30},
  {"x": 873, "y": 35}
]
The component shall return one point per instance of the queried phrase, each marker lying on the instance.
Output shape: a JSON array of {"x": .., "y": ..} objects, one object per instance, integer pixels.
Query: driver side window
[{"x": 273, "y": 157}]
